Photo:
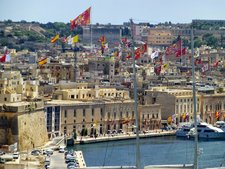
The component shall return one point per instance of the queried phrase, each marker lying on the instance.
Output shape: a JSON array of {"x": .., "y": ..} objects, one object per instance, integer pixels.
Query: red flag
[
  {"x": 82, "y": 20},
  {"x": 174, "y": 48},
  {"x": 198, "y": 61},
  {"x": 128, "y": 55},
  {"x": 3, "y": 58},
  {"x": 178, "y": 53},
  {"x": 124, "y": 40},
  {"x": 102, "y": 39},
  {"x": 137, "y": 53},
  {"x": 144, "y": 48},
  {"x": 216, "y": 63},
  {"x": 157, "y": 69}
]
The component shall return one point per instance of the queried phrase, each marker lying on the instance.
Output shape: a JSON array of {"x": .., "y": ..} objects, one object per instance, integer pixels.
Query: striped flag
[
  {"x": 42, "y": 61},
  {"x": 54, "y": 39}
]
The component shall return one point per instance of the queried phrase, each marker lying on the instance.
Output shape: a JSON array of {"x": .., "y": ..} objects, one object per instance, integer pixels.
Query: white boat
[
  {"x": 184, "y": 130},
  {"x": 205, "y": 131}
]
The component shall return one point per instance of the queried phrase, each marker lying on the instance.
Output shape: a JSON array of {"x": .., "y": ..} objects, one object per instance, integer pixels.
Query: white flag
[{"x": 154, "y": 55}]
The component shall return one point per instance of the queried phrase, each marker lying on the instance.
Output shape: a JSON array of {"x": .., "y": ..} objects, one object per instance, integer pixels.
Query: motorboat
[
  {"x": 184, "y": 130},
  {"x": 205, "y": 131}
]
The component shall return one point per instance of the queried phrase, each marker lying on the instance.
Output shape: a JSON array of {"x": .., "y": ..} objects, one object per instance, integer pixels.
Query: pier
[{"x": 110, "y": 137}]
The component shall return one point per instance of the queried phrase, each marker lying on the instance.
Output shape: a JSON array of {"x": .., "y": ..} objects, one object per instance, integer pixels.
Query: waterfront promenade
[{"x": 115, "y": 137}]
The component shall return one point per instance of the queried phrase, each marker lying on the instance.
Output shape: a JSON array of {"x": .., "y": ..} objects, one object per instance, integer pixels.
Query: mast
[
  {"x": 194, "y": 101},
  {"x": 138, "y": 161}
]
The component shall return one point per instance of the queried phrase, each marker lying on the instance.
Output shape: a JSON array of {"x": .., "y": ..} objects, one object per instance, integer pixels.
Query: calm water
[{"x": 159, "y": 150}]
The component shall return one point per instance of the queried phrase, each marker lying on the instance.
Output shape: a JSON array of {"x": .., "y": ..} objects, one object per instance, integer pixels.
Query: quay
[{"x": 110, "y": 137}]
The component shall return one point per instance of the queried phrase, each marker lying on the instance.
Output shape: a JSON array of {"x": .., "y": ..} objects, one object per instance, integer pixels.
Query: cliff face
[{"x": 32, "y": 130}]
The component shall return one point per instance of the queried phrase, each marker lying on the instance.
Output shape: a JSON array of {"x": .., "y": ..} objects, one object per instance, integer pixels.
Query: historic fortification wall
[{"x": 32, "y": 130}]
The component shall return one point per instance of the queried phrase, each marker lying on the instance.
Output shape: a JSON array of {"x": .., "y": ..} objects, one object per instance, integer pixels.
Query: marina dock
[{"x": 87, "y": 140}]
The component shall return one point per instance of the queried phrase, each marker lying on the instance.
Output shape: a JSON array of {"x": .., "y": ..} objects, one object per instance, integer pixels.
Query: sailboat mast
[
  {"x": 138, "y": 161},
  {"x": 194, "y": 101}
]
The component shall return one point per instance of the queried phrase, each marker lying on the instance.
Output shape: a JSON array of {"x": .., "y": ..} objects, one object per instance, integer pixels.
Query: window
[
  {"x": 5, "y": 99},
  {"x": 84, "y": 112},
  {"x": 74, "y": 113},
  {"x": 72, "y": 96},
  {"x": 93, "y": 112},
  {"x": 108, "y": 115},
  {"x": 65, "y": 113}
]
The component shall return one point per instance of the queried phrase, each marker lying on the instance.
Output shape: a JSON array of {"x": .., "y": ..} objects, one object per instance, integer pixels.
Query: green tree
[
  {"x": 198, "y": 43},
  {"x": 210, "y": 40}
]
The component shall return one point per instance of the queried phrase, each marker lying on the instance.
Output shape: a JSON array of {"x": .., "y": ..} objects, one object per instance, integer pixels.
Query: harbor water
[{"x": 154, "y": 151}]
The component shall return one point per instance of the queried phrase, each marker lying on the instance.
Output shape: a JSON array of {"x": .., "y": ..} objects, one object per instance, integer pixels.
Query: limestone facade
[{"x": 23, "y": 123}]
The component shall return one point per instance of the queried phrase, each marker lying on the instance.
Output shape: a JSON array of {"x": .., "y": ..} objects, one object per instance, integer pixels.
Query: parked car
[
  {"x": 15, "y": 155},
  {"x": 2, "y": 153},
  {"x": 35, "y": 152},
  {"x": 62, "y": 149},
  {"x": 48, "y": 152}
]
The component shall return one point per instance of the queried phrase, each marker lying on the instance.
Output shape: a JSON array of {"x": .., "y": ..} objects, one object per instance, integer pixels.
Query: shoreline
[{"x": 88, "y": 140}]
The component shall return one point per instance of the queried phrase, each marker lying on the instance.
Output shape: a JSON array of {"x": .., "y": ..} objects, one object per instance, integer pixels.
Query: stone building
[
  {"x": 23, "y": 123},
  {"x": 159, "y": 37},
  {"x": 100, "y": 110},
  {"x": 21, "y": 112},
  {"x": 13, "y": 88},
  {"x": 177, "y": 102},
  {"x": 59, "y": 71},
  {"x": 213, "y": 107}
]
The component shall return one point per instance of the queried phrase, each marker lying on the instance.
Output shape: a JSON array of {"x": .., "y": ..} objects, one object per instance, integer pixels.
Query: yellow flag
[
  {"x": 169, "y": 119},
  {"x": 75, "y": 39},
  {"x": 165, "y": 66},
  {"x": 53, "y": 40}
]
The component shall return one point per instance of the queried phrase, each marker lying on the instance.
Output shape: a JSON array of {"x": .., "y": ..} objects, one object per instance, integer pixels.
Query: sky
[{"x": 112, "y": 11}]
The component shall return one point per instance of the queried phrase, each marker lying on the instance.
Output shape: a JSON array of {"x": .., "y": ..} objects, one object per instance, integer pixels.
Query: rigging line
[
  {"x": 110, "y": 154},
  {"x": 105, "y": 153}
]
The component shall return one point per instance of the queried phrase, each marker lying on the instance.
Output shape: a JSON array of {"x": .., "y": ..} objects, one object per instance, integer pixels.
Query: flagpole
[
  {"x": 138, "y": 161},
  {"x": 181, "y": 51},
  {"x": 91, "y": 27},
  {"x": 194, "y": 102}
]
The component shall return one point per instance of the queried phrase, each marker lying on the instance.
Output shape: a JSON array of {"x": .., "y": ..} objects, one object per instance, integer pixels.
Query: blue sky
[{"x": 112, "y": 11}]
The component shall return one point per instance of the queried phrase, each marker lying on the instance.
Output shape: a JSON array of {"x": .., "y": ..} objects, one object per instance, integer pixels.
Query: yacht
[
  {"x": 184, "y": 130},
  {"x": 205, "y": 131}
]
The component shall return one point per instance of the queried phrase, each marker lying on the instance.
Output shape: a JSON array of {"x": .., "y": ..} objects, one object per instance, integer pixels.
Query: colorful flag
[
  {"x": 82, "y": 20},
  {"x": 178, "y": 53},
  {"x": 42, "y": 61},
  {"x": 169, "y": 119},
  {"x": 69, "y": 40},
  {"x": 157, "y": 69},
  {"x": 205, "y": 67},
  {"x": 137, "y": 53},
  {"x": 144, "y": 48},
  {"x": 174, "y": 48},
  {"x": 198, "y": 61},
  {"x": 3, "y": 58},
  {"x": 216, "y": 63},
  {"x": 165, "y": 66},
  {"x": 8, "y": 57},
  {"x": 102, "y": 39},
  {"x": 154, "y": 55},
  {"x": 64, "y": 39},
  {"x": 75, "y": 39},
  {"x": 53, "y": 40}
]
